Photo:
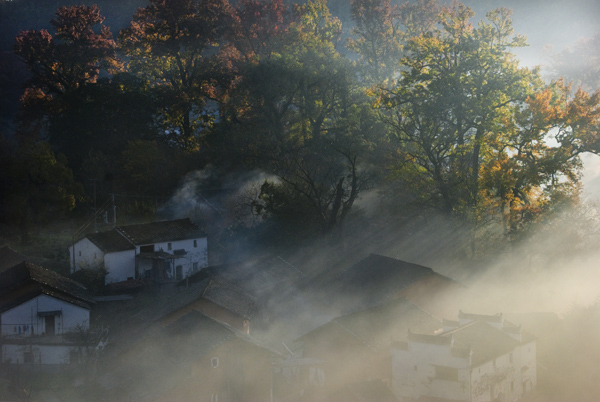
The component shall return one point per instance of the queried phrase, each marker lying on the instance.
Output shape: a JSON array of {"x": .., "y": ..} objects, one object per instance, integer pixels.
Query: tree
[
  {"x": 377, "y": 38},
  {"x": 74, "y": 56},
  {"x": 381, "y": 30},
  {"x": 175, "y": 47},
  {"x": 65, "y": 70},
  {"x": 261, "y": 28},
  {"x": 301, "y": 116},
  {"x": 37, "y": 185},
  {"x": 471, "y": 125}
]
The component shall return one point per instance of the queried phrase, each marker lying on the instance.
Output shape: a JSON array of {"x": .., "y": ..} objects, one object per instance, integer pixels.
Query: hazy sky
[
  {"x": 550, "y": 26},
  {"x": 546, "y": 23}
]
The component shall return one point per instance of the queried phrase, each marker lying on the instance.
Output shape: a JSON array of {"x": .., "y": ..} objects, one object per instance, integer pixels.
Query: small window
[
  {"x": 80, "y": 253},
  {"x": 169, "y": 246},
  {"x": 195, "y": 243},
  {"x": 195, "y": 266},
  {"x": 214, "y": 362}
]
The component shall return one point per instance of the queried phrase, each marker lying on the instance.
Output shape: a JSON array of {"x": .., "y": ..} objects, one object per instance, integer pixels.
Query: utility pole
[
  {"x": 114, "y": 210},
  {"x": 95, "y": 209}
]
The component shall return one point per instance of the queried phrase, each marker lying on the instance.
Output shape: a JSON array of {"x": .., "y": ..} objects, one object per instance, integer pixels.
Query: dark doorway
[{"x": 50, "y": 324}]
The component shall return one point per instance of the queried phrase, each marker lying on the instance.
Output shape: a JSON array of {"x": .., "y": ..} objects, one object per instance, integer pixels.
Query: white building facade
[
  {"x": 481, "y": 359},
  {"x": 41, "y": 315},
  {"x": 164, "y": 251}
]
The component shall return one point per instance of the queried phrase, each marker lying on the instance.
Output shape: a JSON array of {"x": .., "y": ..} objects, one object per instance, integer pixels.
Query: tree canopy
[{"x": 419, "y": 100}]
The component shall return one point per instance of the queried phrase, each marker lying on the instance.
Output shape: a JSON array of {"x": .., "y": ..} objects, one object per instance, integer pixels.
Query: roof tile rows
[
  {"x": 26, "y": 280},
  {"x": 155, "y": 232},
  {"x": 128, "y": 237},
  {"x": 110, "y": 241}
]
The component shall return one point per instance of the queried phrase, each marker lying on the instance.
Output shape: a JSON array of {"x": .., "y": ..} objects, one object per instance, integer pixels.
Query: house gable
[{"x": 27, "y": 280}]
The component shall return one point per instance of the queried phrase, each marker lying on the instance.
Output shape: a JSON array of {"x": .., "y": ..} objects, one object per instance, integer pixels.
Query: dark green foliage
[{"x": 435, "y": 112}]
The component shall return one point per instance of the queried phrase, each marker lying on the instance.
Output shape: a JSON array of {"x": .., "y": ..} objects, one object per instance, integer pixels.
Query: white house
[
  {"x": 479, "y": 358},
  {"x": 166, "y": 250},
  {"x": 41, "y": 313}
]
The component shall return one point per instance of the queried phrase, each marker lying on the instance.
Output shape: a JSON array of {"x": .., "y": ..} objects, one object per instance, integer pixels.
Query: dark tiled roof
[
  {"x": 255, "y": 277},
  {"x": 379, "y": 326},
  {"x": 198, "y": 332},
  {"x": 110, "y": 241},
  {"x": 9, "y": 258},
  {"x": 484, "y": 340},
  {"x": 230, "y": 297},
  {"x": 377, "y": 278},
  {"x": 431, "y": 339},
  {"x": 26, "y": 280},
  {"x": 481, "y": 317},
  {"x": 163, "y": 357},
  {"x": 195, "y": 334},
  {"x": 154, "y": 232}
]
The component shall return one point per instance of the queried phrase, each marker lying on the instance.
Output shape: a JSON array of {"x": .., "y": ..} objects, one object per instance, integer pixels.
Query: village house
[
  {"x": 163, "y": 251},
  {"x": 190, "y": 357},
  {"x": 355, "y": 348},
  {"x": 42, "y": 315},
  {"x": 478, "y": 358}
]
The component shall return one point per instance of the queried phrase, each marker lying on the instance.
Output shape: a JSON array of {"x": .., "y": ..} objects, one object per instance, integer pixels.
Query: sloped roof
[
  {"x": 201, "y": 334},
  {"x": 110, "y": 241},
  {"x": 254, "y": 277},
  {"x": 218, "y": 292},
  {"x": 163, "y": 357},
  {"x": 483, "y": 339},
  {"x": 198, "y": 332},
  {"x": 26, "y": 280},
  {"x": 155, "y": 232},
  {"x": 379, "y": 326},
  {"x": 9, "y": 258},
  {"x": 376, "y": 279},
  {"x": 230, "y": 297}
]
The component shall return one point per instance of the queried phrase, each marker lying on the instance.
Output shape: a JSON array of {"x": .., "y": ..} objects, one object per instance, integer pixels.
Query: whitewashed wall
[
  {"x": 27, "y": 314},
  {"x": 42, "y": 354},
  {"x": 528, "y": 353},
  {"x": 119, "y": 265},
  {"x": 413, "y": 372},
  {"x": 87, "y": 255}
]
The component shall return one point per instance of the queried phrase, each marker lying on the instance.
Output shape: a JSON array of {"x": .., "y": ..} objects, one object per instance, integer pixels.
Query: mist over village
[{"x": 297, "y": 201}]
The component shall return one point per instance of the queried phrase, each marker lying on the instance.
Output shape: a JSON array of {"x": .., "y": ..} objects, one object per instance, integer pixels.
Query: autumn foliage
[{"x": 419, "y": 97}]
